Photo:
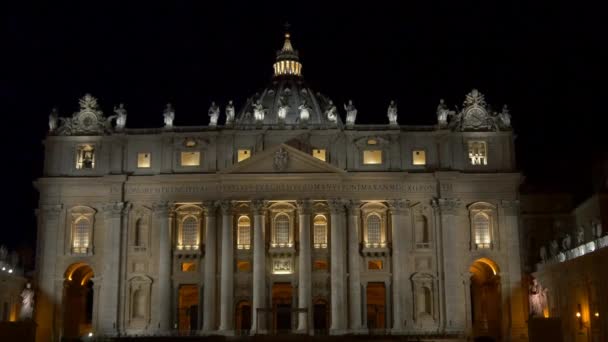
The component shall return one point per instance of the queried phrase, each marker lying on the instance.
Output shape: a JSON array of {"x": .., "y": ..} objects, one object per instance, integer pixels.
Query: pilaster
[
  {"x": 304, "y": 263},
  {"x": 338, "y": 266},
  {"x": 259, "y": 267},
  {"x": 209, "y": 276}
]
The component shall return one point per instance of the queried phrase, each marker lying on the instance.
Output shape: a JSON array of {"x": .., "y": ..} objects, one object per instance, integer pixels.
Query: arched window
[
  {"x": 190, "y": 233},
  {"x": 137, "y": 238},
  {"x": 320, "y": 231},
  {"x": 281, "y": 230},
  {"x": 423, "y": 238},
  {"x": 81, "y": 234},
  {"x": 374, "y": 230},
  {"x": 481, "y": 228},
  {"x": 243, "y": 233}
]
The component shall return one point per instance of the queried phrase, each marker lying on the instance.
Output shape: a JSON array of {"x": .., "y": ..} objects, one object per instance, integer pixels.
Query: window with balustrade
[
  {"x": 282, "y": 231},
  {"x": 481, "y": 227},
  {"x": 373, "y": 228},
  {"x": 189, "y": 233},
  {"x": 81, "y": 233}
]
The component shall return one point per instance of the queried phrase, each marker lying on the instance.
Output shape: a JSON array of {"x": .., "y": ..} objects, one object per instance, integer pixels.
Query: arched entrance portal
[
  {"x": 376, "y": 305},
  {"x": 320, "y": 316},
  {"x": 281, "y": 304},
  {"x": 78, "y": 301},
  {"x": 243, "y": 317},
  {"x": 485, "y": 300}
]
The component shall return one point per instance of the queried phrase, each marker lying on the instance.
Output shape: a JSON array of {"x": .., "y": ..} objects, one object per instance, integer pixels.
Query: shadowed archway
[
  {"x": 78, "y": 301},
  {"x": 485, "y": 300}
]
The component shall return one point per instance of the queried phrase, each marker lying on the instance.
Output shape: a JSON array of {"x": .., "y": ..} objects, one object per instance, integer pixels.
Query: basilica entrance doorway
[
  {"x": 243, "y": 317},
  {"x": 485, "y": 300},
  {"x": 282, "y": 294},
  {"x": 376, "y": 305},
  {"x": 78, "y": 301},
  {"x": 187, "y": 312},
  {"x": 320, "y": 316}
]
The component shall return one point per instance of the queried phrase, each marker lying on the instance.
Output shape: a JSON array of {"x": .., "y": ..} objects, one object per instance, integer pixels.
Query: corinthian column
[
  {"x": 161, "y": 217},
  {"x": 402, "y": 289},
  {"x": 209, "y": 293},
  {"x": 338, "y": 266},
  {"x": 259, "y": 267},
  {"x": 227, "y": 271},
  {"x": 354, "y": 265},
  {"x": 304, "y": 262},
  {"x": 108, "y": 303},
  {"x": 452, "y": 249}
]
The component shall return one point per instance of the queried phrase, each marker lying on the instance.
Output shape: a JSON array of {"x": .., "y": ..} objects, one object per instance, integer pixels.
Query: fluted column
[
  {"x": 354, "y": 266},
  {"x": 108, "y": 305},
  {"x": 338, "y": 267},
  {"x": 48, "y": 296},
  {"x": 401, "y": 242},
  {"x": 162, "y": 217},
  {"x": 304, "y": 263},
  {"x": 209, "y": 290},
  {"x": 227, "y": 270},
  {"x": 259, "y": 267},
  {"x": 452, "y": 250}
]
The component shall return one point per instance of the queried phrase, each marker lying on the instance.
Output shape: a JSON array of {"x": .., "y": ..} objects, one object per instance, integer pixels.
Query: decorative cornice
[
  {"x": 399, "y": 206},
  {"x": 161, "y": 208},
  {"x": 336, "y": 206},
  {"x": 353, "y": 207},
  {"x": 448, "y": 206},
  {"x": 259, "y": 207},
  {"x": 113, "y": 209},
  {"x": 51, "y": 210},
  {"x": 304, "y": 206}
]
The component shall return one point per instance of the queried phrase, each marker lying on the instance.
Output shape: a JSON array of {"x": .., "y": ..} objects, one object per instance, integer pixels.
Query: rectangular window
[
  {"x": 372, "y": 157},
  {"x": 243, "y": 154},
  {"x": 190, "y": 158},
  {"x": 319, "y": 153},
  {"x": 374, "y": 265},
  {"x": 478, "y": 152},
  {"x": 85, "y": 157},
  {"x": 143, "y": 160},
  {"x": 419, "y": 157}
]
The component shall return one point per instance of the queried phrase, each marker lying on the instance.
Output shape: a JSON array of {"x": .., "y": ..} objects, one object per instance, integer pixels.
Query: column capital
[
  {"x": 226, "y": 207},
  {"x": 209, "y": 207},
  {"x": 448, "y": 206},
  {"x": 336, "y": 205},
  {"x": 51, "y": 210},
  {"x": 304, "y": 206},
  {"x": 399, "y": 206},
  {"x": 353, "y": 207},
  {"x": 510, "y": 207},
  {"x": 113, "y": 209},
  {"x": 259, "y": 206},
  {"x": 162, "y": 208}
]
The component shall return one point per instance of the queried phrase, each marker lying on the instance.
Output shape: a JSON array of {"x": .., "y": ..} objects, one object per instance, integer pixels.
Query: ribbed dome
[{"x": 287, "y": 100}]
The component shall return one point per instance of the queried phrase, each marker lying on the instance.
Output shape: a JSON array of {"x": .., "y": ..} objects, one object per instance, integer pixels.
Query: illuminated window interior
[
  {"x": 320, "y": 232},
  {"x": 320, "y": 265},
  {"x": 243, "y": 266},
  {"x": 419, "y": 157},
  {"x": 188, "y": 300},
  {"x": 478, "y": 152},
  {"x": 188, "y": 267},
  {"x": 190, "y": 158},
  {"x": 281, "y": 231},
  {"x": 143, "y": 160},
  {"x": 81, "y": 233},
  {"x": 85, "y": 157},
  {"x": 372, "y": 157},
  {"x": 244, "y": 233},
  {"x": 243, "y": 154},
  {"x": 481, "y": 227},
  {"x": 374, "y": 264},
  {"x": 319, "y": 154},
  {"x": 374, "y": 231},
  {"x": 189, "y": 233}
]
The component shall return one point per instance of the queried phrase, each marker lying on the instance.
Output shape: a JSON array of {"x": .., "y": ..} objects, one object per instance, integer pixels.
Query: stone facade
[{"x": 281, "y": 219}]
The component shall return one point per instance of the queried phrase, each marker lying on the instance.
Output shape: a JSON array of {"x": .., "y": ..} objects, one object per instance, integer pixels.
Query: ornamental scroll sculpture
[
  {"x": 89, "y": 120},
  {"x": 476, "y": 115}
]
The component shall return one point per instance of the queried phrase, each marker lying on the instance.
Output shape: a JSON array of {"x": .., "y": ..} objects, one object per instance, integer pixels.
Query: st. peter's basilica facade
[{"x": 280, "y": 217}]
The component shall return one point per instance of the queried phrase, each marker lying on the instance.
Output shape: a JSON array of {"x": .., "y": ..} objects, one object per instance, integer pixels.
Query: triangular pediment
[{"x": 282, "y": 158}]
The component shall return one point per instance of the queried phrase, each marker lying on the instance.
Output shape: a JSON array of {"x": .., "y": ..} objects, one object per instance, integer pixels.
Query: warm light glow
[
  {"x": 578, "y": 315},
  {"x": 374, "y": 264},
  {"x": 10, "y": 271},
  {"x": 243, "y": 265},
  {"x": 188, "y": 267},
  {"x": 90, "y": 334},
  {"x": 243, "y": 154},
  {"x": 419, "y": 157},
  {"x": 372, "y": 157},
  {"x": 190, "y": 158},
  {"x": 190, "y": 143},
  {"x": 85, "y": 157},
  {"x": 319, "y": 153},
  {"x": 478, "y": 153},
  {"x": 597, "y": 314},
  {"x": 372, "y": 142},
  {"x": 143, "y": 160}
]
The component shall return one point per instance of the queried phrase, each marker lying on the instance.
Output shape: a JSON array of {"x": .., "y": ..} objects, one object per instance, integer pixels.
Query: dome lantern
[{"x": 288, "y": 61}]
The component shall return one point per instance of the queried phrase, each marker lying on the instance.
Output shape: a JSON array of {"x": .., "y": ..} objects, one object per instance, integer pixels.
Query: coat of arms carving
[{"x": 281, "y": 159}]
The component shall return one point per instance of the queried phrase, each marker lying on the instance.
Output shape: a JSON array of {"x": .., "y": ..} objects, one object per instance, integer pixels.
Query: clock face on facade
[
  {"x": 87, "y": 120},
  {"x": 475, "y": 117}
]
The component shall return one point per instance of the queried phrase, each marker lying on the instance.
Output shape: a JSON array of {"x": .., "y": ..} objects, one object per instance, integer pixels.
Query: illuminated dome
[{"x": 288, "y": 101}]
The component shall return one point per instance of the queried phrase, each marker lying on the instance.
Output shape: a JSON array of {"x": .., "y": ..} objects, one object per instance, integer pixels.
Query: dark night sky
[{"x": 543, "y": 59}]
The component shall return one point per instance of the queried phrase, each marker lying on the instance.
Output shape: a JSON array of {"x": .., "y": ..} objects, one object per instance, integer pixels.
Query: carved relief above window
[
  {"x": 81, "y": 222},
  {"x": 85, "y": 156},
  {"x": 483, "y": 224},
  {"x": 188, "y": 219},
  {"x": 281, "y": 266}
]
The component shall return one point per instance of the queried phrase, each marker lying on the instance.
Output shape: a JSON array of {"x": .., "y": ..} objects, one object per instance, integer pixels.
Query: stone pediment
[{"x": 282, "y": 159}]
